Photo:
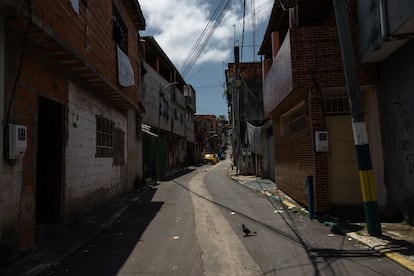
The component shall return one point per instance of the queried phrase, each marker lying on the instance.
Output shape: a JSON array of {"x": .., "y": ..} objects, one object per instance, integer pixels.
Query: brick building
[
  {"x": 305, "y": 96},
  {"x": 71, "y": 78},
  {"x": 208, "y": 134}
]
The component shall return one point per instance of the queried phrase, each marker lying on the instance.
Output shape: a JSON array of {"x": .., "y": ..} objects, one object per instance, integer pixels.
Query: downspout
[{"x": 2, "y": 73}]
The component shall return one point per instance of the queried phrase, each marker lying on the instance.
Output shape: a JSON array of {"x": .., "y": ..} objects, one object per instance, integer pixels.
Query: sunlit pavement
[{"x": 396, "y": 242}]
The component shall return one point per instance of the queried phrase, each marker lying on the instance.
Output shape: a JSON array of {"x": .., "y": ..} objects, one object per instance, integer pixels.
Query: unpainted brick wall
[
  {"x": 18, "y": 186},
  {"x": 89, "y": 33},
  {"x": 316, "y": 64},
  {"x": 316, "y": 58}
]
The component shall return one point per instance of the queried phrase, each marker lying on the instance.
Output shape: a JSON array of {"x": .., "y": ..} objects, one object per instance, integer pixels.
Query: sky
[{"x": 177, "y": 25}]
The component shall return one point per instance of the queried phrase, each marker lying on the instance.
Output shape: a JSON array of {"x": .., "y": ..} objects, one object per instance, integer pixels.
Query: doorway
[
  {"x": 343, "y": 166},
  {"x": 49, "y": 184}
]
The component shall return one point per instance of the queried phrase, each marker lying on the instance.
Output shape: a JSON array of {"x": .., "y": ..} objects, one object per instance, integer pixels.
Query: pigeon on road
[{"x": 247, "y": 231}]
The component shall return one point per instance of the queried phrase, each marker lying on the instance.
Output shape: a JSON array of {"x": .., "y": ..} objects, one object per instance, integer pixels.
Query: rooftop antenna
[{"x": 234, "y": 35}]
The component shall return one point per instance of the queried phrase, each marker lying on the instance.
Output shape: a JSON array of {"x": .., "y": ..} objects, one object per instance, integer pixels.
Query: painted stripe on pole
[
  {"x": 373, "y": 218},
  {"x": 367, "y": 185},
  {"x": 364, "y": 159},
  {"x": 360, "y": 133}
]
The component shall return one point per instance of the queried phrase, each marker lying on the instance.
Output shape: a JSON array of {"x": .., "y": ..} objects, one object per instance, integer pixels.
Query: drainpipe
[
  {"x": 2, "y": 73},
  {"x": 236, "y": 103}
]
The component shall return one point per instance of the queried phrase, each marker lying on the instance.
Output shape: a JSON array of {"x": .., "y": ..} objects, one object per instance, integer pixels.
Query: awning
[{"x": 147, "y": 130}]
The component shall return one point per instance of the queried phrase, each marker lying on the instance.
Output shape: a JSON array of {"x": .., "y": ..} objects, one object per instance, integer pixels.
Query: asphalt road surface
[{"x": 191, "y": 225}]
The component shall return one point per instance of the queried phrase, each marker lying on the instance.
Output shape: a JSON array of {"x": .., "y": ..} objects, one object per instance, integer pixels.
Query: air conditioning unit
[{"x": 17, "y": 141}]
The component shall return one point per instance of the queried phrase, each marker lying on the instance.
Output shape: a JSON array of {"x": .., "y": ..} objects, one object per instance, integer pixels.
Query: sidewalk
[
  {"x": 396, "y": 242},
  {"x": 65, "y": 242}
]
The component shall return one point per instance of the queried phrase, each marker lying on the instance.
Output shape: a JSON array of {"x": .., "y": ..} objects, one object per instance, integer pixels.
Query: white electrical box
[
  {"x": 17, "y": 141},
  {"x": 321, "y": 141}
]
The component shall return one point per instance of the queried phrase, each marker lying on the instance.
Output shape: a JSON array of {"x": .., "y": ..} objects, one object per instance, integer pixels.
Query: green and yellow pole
[{"x": 366, "y": 174}]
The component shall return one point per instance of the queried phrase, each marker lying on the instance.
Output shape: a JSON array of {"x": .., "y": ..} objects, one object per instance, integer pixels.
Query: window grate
[{"x": 104, "y": 137}]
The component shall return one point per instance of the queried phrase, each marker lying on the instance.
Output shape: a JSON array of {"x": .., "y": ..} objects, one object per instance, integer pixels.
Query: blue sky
[{"x": 177, "y": 24}]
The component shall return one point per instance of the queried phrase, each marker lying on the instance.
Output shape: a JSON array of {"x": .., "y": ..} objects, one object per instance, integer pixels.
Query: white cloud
[{"x": 177, "y": 24}]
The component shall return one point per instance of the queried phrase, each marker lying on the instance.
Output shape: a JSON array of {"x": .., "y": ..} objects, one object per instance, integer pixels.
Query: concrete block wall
[
  {"x": 397, "y": 126},
  {"x": 90, "y": 180}
]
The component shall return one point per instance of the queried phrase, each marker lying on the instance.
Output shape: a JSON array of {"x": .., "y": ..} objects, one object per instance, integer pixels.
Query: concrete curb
[
  {"x": 383, "y": 247},
  {"x": 374, "y": 243}
]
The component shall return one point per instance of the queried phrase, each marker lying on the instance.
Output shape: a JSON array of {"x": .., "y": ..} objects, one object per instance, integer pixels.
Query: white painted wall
[{"x": 85, "y": 173}]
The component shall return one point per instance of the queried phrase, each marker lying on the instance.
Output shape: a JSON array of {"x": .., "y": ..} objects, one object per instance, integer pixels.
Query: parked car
[{"x": 210, "y": 157}]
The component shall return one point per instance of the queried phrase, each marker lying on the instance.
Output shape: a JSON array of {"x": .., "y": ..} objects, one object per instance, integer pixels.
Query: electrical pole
[
  {"x": 236, "y": 103},
  {"x": 366, "y": 174}
]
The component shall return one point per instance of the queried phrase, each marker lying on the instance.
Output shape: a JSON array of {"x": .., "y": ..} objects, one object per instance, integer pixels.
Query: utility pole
[
  {"x": 236, "y": 111},
  {"x": 366, "y": 174}
]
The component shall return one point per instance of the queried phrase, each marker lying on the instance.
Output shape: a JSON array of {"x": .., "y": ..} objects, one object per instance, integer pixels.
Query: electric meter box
[
  {"x": 321, "y": 141},
  {"x": 17, "y": 141}
]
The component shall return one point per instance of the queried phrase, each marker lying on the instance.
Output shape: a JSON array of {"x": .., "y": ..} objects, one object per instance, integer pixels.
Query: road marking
[{"x": 398, "y": 258}]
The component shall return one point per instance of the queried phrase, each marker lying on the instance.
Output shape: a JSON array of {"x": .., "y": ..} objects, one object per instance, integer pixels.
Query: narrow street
[{"x": 191, "y": 225}]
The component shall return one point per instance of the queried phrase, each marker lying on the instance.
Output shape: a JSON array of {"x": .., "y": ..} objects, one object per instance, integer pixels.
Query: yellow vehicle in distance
[{"x": 211, "y": 158}]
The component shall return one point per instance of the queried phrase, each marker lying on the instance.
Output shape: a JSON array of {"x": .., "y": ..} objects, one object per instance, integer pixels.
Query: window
[
  {"x": 293, "y": 120},
  {"x": 104, "y": 137},
  {"x": 164, "y": 108},
  {"x": 119, "y": 30},
  {"x": 335, "y": 101}
]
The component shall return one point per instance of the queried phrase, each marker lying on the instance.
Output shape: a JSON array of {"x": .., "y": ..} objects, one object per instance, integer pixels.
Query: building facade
[
  {"x": 305, "y": 96},
  {"x": 385, "y": 32},
  {"x": 244, "y": 81},
  {"x": 208, "y": 135},
  {"x": 169, "y": 109},
  {"x": 71, "y": 91}
]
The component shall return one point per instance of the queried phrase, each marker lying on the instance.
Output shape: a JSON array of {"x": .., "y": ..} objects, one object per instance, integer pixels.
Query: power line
[
  {"x": 205, "y": 35},
  {"x": 253, "y": 17},
  {"x": 212, "y": 86}
]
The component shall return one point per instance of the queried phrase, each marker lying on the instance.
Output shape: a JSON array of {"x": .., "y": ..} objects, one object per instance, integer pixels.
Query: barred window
[
  {"x": 104, "y": 137},
  {"x": 335, "y": 101}
]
